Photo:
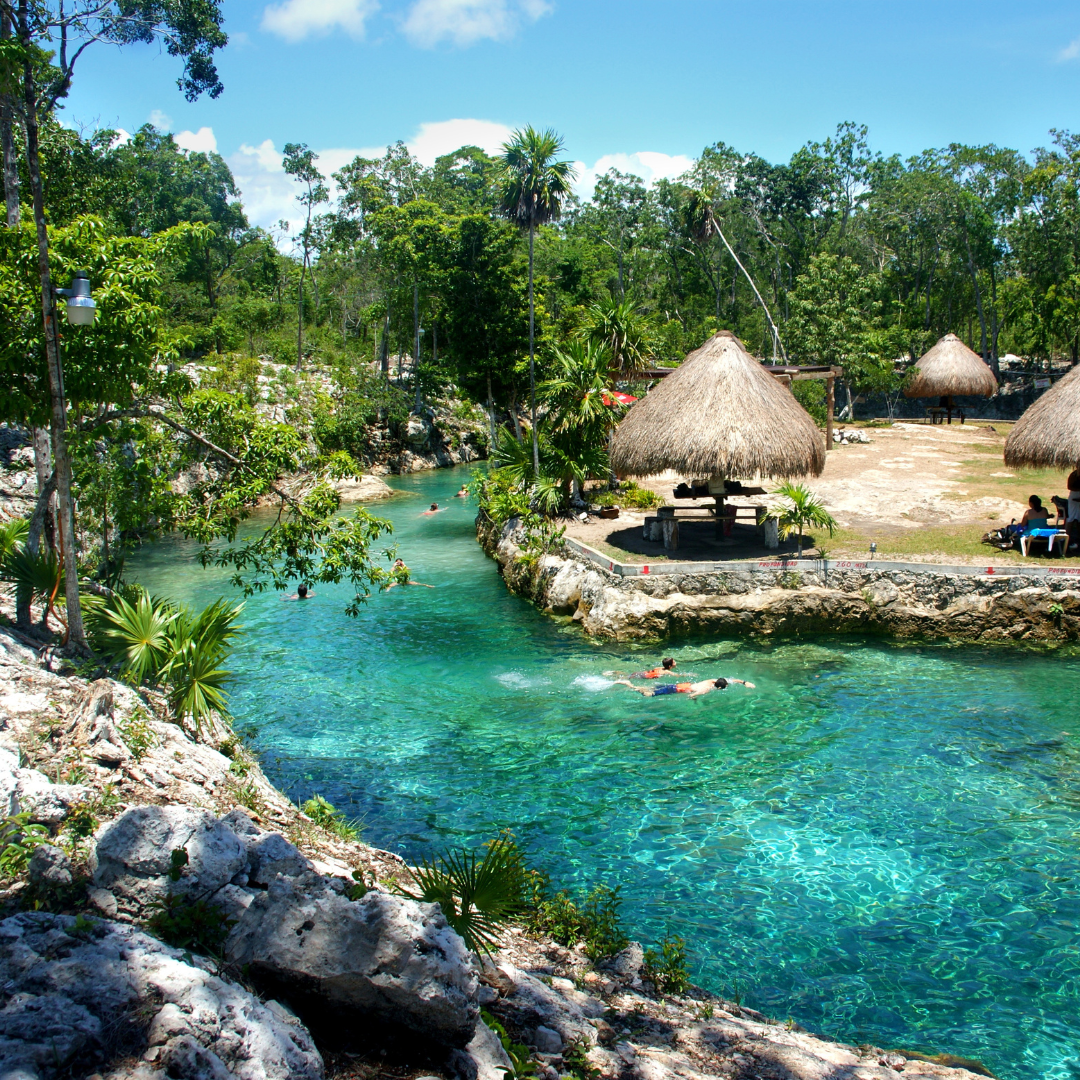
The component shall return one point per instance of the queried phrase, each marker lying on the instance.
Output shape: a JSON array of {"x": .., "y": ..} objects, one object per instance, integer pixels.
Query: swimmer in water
[
  {"x": 691, "y": 689},
  {"x": 300, "y": 594},
  {"x": 401, "y": 572},
  {"x": 434, "y": 509},
  {"x": 462, "y": 493},
  {"x": 667, "y": 665}
]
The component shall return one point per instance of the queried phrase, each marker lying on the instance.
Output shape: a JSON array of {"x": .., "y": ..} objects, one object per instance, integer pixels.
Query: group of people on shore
[{"x": 1066, "y": 512}]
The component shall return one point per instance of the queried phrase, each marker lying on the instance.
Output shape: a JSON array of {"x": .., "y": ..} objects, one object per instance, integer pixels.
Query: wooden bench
[
  {"x": 664, "y": 527},
  {"x": 938, "y": 413}
]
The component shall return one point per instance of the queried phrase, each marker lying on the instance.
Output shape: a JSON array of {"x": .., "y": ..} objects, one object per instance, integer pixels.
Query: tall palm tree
[{"x": 534, "y": 186}]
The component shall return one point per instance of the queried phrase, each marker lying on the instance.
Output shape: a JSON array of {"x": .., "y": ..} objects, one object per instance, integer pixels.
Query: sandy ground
[{"x": 909, "y": 477}]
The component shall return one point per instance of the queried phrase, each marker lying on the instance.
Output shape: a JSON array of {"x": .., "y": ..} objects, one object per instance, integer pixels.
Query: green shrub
[
  {"x": 327, "y": 817},
  {"x": 521, "y": 1063},
  {"x": 138, "y": 735},
  {"x": 575, "y": 1058},
  {"x": 595, "y": 921},
  {"x": 628, "y": 494},
  {"x": 810, "y": 394},
  {"x": 666, "y": 966},
  {"x": 18, "y": 838},
  {"x": 186, "y": 924},
  {"x": 153, "y": 640}
]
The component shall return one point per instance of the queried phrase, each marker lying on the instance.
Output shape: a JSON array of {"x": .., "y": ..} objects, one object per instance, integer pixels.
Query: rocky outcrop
[
  {"x": 80, "y": 994},
  {"x": 379, "y": 956},
  {"x": 900, "y": 604},
  {"x": 363, "y": 489}
]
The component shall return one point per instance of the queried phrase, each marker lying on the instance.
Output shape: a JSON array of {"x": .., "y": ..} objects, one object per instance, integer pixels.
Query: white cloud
[
  {"x": 161, "y": 120},
  {"x": 1070, "y": 52},
  {"x": 463, "y": 22},
  {"x": 648, "y": 164},
  {"x": 295, "y": 20},
  {"x": 120, "y": 138},
  {"x": 435, "y": 139},
  {"x": 201, "y": 141}
]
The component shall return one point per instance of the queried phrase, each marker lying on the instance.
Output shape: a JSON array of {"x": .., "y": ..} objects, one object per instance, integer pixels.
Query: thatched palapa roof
[
  {"x": 719, "y": 414},
  {"x": 951, "y": 369},
  {"x": 1047, "y": 436}
]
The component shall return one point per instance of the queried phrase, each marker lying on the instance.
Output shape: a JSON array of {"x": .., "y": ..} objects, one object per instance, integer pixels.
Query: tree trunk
[
  {"x": 24, "y": 594},
  {"x": 416, "y": 340},
  {"x": 994, "y": 365},
  {"x": 300, "y": 322},
  {"x": 7, "y": 137},
  {"x": 532, "y": 365},
  {"x": 491, "y": 416},
  {"x": 76, "y": 636},
  {"x": 978, "y": 294}
]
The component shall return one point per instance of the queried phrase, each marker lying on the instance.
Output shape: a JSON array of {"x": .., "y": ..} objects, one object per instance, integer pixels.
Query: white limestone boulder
[{"x": 112, "y": 999}]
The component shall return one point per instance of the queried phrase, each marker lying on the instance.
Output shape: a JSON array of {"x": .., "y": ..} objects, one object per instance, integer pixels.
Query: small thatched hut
[
  {"x": 1047, "y": 436},
  {"x": 950, "y": 369},
  {"x": 719, "y": 414}
]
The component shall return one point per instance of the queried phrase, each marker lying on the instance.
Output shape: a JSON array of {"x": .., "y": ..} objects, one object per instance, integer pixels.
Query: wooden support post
[{"x": 830, "y": 408}]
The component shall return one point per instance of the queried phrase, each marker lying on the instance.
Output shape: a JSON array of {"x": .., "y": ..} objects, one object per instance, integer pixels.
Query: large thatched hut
[
  {"x": 1047, "y": 436},
  {"x": 950, "y": 369},
  {"x": 719, "y": 414}
]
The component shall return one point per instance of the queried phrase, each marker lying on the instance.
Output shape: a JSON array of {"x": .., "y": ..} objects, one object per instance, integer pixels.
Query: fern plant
[{"x": 478, "y": 895}]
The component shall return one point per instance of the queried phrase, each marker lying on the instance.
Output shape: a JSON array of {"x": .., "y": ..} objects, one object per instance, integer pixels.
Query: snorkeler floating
[
  {"x": 300, "y": 594},
  {"x": 692, "y": 689}
]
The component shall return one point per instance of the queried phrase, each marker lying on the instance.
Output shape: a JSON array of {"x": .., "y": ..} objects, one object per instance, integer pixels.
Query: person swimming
[
  {"x": 402, "y": 576},
  {"x": 462, "y": 493},
  {"x": 691, "y": 689},
  {"x": 434, "y": 508},
  {"x": 667, "y": 665},
  {"x": 300, "y": 594}
]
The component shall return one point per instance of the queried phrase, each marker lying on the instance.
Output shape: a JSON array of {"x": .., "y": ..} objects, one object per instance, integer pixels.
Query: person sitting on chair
[{"x": 1036, "y": 516}]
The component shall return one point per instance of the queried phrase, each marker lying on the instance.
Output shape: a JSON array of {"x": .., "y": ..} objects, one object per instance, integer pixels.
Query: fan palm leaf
[{"x": 139, "y": 633}]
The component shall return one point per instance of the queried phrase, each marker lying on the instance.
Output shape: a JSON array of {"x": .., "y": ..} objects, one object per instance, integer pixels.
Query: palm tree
[
  {"x": 803, "y": 508},
  {"x": 534, "y": 186},
  {"x": 624, "y": 330}
]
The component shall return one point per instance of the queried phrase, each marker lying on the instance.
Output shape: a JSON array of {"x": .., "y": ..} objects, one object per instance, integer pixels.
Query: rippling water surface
[{"x": 882, "y": 843}]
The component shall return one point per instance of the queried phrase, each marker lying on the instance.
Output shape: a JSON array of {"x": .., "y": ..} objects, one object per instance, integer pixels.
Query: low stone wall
[{"x": 791, "y": 598}]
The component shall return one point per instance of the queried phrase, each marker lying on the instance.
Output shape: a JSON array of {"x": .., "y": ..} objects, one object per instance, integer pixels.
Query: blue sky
[{"x": 640, "y": 84}]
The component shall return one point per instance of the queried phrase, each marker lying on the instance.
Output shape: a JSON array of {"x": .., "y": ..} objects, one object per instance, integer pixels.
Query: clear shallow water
[{"x": 882, "y": 843}]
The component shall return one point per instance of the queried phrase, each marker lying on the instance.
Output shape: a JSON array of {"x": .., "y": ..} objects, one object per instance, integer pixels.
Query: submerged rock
[{"x": 81, "y": 997}]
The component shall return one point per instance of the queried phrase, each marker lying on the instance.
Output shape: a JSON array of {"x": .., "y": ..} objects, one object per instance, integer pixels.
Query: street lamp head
[{"x": 81, "y": 308}]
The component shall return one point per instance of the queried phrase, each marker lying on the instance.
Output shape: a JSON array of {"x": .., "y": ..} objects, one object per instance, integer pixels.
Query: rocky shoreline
[
  {"x": 321, "y": 969},
  {"x": 897, "y": 604}
]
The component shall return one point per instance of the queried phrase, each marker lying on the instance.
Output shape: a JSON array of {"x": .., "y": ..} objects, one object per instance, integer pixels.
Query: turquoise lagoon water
[{"x": 882, "y": 843}]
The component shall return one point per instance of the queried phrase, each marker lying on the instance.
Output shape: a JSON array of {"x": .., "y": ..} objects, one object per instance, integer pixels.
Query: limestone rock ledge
[{"x": 887, "y": 603}]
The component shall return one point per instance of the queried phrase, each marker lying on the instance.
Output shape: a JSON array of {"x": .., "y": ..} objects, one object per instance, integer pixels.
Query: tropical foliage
[
  {"x": 156, "y": 642},
  {"x": 800, "y": 510},
  {"x": 478, "y": 894}
]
